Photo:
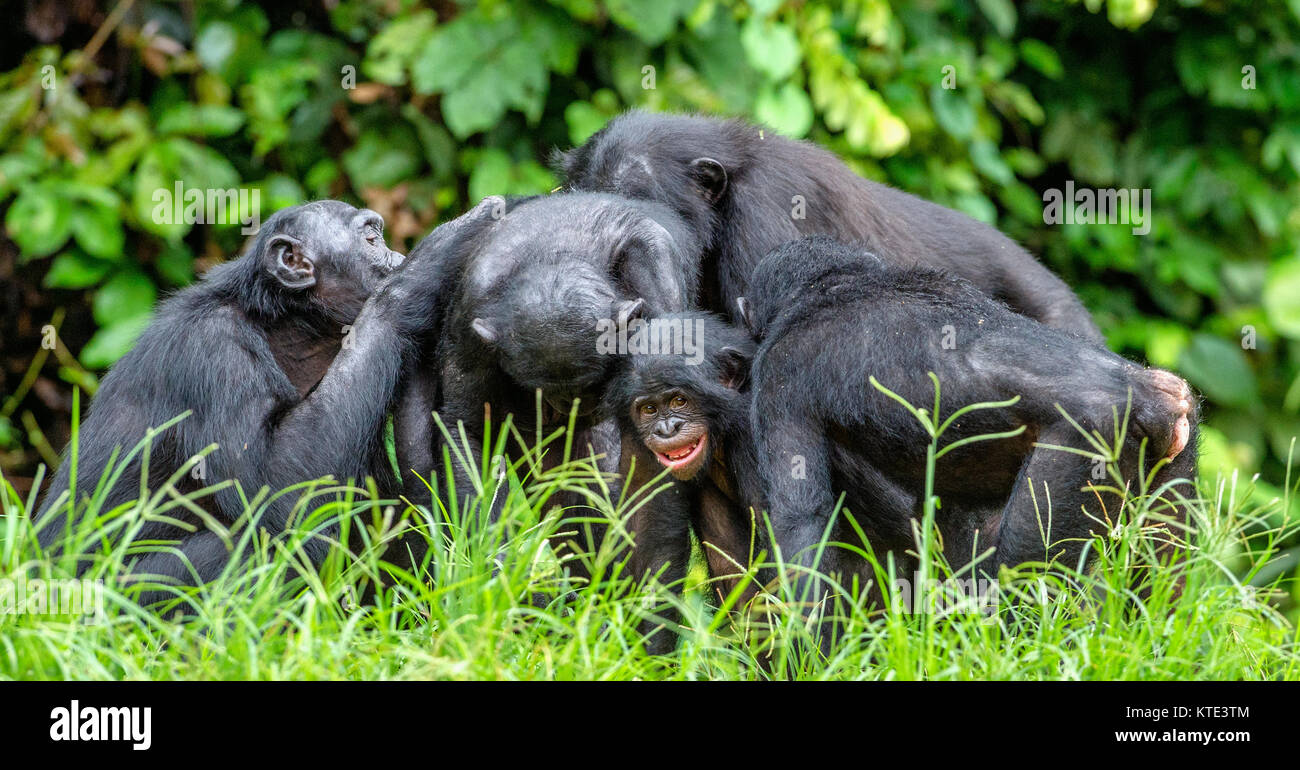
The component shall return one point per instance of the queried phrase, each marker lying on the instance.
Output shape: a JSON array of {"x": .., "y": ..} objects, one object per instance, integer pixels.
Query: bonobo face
[
  {"x": 682, "y": 406},
  {"x": 356, "y": 247},
  {"x": 331, "y": 250},
  {"x": 671, "y": 426}
]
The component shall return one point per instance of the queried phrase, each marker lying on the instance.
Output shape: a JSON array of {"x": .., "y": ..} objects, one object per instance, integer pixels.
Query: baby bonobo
[
  {"x": 828, "y": 318},
  {"x": 683, "y": 408}
]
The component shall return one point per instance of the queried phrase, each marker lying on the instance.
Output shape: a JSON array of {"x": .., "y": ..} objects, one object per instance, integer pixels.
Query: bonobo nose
[{"x": 668, "y": 428}]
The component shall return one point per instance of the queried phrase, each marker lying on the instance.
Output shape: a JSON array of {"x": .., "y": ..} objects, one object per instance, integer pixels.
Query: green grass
[{"x": 479, "y": 615}]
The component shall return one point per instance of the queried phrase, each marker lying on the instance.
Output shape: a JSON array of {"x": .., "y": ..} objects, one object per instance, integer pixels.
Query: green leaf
[
  {"x": 275, "y": 91},
  {"x": 1220, "y": 370},
  {"x": 583, "y": 120},
  {"x": 215, "y": 44},
  {"x": 112, "y": 342},
  {"x": 715, "y": 51},
  {"x": 652, "y": 21},
  {"x": 321, "y": 176},
  {"x": 786, "y": 109},
  {"x": 128, "y": 294},
  {"x": 383, "y": 156},
  {"x": 490, "y": 176},
  {"x": 978, "y": 207},
  {"x": 109, "y": 167},
  {"x": 984, "y": 154},
  {"x": 391, "y": 50},
  {"x": 953, "y": 112},
  {"x": 770, "y": 47},
  {"x": 98, "y": 230},
  {"x": 17, "y": 168},
  {"x": 38, "y": 221},
  {"x": 74, "y": 269},
  {"x": 175, "y": 263},
  {"x": 1042, "y": 57},
  {"x": 1165, "y": 344},
  {"x": 485, "y": 66},
  {"x": 200, "y": 120},
  {"x": 1282, "y": 298},
  {"x": 280, "y": 191},
  {"x": 438, "y": 146},
  {"x": 1001, "y": 13},
  {"x": 765, "y": 7},
  {"x": 16, "y": 105},
  {"x": 161, "y": 168}
]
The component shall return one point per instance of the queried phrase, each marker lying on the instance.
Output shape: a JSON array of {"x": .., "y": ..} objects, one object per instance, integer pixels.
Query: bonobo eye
[
  {"x": 678, "y": 402},
  {"x": 648, "y": 409}
]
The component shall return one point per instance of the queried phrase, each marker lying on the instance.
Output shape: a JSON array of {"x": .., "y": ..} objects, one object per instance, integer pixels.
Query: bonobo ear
[
  {"x": 711, "y": 176},
  {"x": 629, "y": 309},
  {"x": 562, "y": 161},
  {"x": 486, "y": 330},
  {"x": 288, "y": 261},
  {"x": 746, "y": 313},
  {"x": 735, "y": 366}
]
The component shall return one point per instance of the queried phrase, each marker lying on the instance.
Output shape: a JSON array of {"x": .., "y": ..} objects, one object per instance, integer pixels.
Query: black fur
[
  {"x": 532, "y": 290},
  {"x": 714, "y": 493},
  {"x": 735, "y": 183},
  {"x": 257, "y": 352},
  {"x": 541, "y": 279},
  {"x": 829, "y": 317}
]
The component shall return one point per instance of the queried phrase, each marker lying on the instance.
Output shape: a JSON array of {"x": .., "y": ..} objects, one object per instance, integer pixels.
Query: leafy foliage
[{"x": 977, "y": 104}]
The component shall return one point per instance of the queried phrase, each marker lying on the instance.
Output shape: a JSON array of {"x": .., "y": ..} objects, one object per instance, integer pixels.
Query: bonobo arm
[{"x": 438, "y": 260}]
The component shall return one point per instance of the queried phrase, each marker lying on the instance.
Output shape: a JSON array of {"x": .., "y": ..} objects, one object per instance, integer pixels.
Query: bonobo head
[
  {"x": 542, "y": 328},
  {"x": 324, "y": 257},
  {"x": 684, "y": 404},
  {"x": 684, "y": 161},
  {"x": 554, "y": 272},
  {"x": 814, "y": 262}
]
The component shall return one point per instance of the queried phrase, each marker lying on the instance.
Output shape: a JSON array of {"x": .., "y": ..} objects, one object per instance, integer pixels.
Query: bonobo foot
[{"x": 1162, "y": 405}]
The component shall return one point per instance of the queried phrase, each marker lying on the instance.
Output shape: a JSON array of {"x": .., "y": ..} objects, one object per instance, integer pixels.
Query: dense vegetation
[
  {"x": 496, "y": 605},
  {"x": 418, "y": 111}
]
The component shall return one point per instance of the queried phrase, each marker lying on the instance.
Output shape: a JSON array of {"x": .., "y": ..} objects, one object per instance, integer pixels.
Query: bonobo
[
  {"x": 830, "y": 317},
  {"x": 744, "y": 191},
  {"x": 287, "y": 359},
  {"x": 535, "y": 291},
  {"x": 683, "y": 408},
  {"x": 536, "y": 294}
]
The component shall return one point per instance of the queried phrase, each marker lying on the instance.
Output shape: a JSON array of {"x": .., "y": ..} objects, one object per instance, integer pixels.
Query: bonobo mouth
[{"x": 684, "y": 458}]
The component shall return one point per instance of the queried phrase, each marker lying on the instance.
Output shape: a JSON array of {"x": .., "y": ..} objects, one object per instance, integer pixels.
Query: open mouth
[{"x": 684, "y": 455}]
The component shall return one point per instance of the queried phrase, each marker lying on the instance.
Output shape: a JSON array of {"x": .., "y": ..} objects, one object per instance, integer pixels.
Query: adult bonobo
[
  {"x": 830, "y": 317},
  {"x": 538, "y": 291},
  {"x": 745, "y": 190},
  {"x": 287, "y": 359}
]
